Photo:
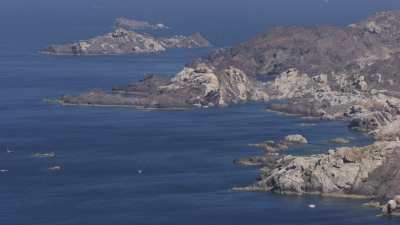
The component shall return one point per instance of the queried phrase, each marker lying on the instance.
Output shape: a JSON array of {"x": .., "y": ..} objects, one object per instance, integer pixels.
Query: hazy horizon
[{"x": 232, "y": 21}]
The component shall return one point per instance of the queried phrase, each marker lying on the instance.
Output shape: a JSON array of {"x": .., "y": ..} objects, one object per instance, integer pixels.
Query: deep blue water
[{"x": 185, "y": 156}]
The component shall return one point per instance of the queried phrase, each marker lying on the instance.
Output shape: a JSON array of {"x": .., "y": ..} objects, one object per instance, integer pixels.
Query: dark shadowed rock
[
  {"x": 268, "y": 161},
  {"x": 384, "y": 182},
  {"x": 97, "y": 98}
]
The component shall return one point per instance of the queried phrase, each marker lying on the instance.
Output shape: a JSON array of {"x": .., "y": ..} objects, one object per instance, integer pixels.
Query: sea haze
[{"x": 129, "y": 167}]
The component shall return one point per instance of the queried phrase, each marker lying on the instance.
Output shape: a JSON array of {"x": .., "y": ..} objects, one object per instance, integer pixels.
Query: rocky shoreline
[
  {"x": 369, "y": 172},
  {"x": 332, "y": 73}
]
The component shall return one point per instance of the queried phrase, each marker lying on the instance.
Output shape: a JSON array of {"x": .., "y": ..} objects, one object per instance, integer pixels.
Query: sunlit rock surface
[
  {"x": 349, "y": 73},
  {"x": 122, "y": 41}
]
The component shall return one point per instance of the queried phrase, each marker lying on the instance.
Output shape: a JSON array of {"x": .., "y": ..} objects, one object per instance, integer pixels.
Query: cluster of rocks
[
  {"x": 272, "y": 151},
  {"x": 272, "y": 147},
  {"x": 348, "y": 73},
  {"x": 370, "y": 172},
  {"x": 122, "y": 41}
]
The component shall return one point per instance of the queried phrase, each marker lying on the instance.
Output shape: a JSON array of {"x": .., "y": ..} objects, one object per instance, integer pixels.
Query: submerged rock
[
  {"x": 340, "y": 141},
  {"x": 270, "y": 146},
  {"x": 373, "y": 204},
  {"x": 266, "y": 161},
  {"x": 307, "y": 124}
]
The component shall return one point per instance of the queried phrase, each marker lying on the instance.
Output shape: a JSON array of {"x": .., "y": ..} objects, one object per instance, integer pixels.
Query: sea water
[{"x": 122, "y": 166}]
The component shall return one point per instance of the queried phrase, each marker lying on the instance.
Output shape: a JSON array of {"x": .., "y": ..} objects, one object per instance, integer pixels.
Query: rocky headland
[
  {"x": 348, "y": 73},
  {"x": 122, "y": 41}
]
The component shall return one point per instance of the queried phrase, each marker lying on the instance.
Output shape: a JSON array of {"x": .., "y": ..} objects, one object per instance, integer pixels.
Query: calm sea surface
[{"x": 122, "y": 166}]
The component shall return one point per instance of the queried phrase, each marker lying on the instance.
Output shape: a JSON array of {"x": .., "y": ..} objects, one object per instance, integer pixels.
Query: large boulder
[
  {"x": 343, "y": 171},
  {"x": 295, "y": 139}
]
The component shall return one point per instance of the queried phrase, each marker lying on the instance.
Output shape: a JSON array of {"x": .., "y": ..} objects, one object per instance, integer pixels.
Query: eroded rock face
[
  {"x": 122, "y": 41},
  {"x": 383, "y": 25},
  {"x": 384, "y": 182},
  {"x": 195, "y": 40},
  {"x": 192, "y": 87},
  {"x": 342, "y": 171}
]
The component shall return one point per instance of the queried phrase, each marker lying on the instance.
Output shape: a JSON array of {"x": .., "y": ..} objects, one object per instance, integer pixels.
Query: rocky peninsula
[
  {"x": 123, "y": 41},
  {"x": 348, "y": 73}
]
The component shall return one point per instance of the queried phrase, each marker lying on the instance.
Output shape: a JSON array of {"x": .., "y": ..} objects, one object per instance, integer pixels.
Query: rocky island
[
  {"x": 126, "y": 40},
  {"x": 132, "y": 24},
  {"x": 348, "y": 73}
]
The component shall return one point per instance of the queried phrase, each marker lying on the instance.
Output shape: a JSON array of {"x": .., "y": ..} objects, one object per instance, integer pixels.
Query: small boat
[
  {"x": 44, "y": 155},
  {"x": 55, "y": 168}
]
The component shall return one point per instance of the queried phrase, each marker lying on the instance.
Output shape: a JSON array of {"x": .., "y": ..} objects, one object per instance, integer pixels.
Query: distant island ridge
[{"x": 127, "y": 38}]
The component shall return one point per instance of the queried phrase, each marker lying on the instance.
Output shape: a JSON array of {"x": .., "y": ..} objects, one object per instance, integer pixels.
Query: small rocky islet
[
  {"x": 126, "y": 39},
  {"x": 333, "y": 73},
  {"x": 134, "y": 24}
]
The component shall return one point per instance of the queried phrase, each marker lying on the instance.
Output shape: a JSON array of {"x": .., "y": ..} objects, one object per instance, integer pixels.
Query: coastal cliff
[
  {"x": 332, "y": 68},
  {"x": 349, "y": 73}
]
